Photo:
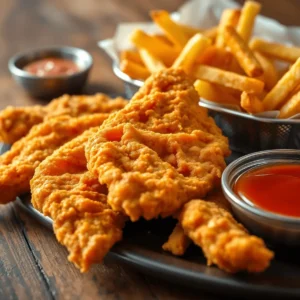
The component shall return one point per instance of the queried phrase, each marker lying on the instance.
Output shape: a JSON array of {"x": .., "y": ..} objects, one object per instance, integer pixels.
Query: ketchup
[
  {"x": 51, "y": 66},
  {"x": 275, "y": 188}
]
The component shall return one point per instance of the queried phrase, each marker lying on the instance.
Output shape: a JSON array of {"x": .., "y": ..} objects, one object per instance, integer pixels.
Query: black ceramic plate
[{"x": 141, "y": 248}]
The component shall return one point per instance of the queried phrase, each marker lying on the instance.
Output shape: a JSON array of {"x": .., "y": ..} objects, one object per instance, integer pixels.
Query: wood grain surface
[{"x": 32, "y": 264}]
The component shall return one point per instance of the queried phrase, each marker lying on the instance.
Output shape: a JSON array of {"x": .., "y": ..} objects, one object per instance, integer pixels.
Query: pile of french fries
[{"x": 226, "y": 64}]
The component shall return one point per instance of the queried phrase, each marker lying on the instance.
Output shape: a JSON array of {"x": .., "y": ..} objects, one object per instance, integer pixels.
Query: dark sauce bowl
[
  {"x": 276, "y": 228},
  {"x": 51, "y": 86}
]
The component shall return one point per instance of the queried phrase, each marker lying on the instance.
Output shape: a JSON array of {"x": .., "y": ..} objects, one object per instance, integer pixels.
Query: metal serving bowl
[
  {"x": 276, "y": 228},
  {"x": 246, "y": 133},
  {"x": 51, "y": 86}
]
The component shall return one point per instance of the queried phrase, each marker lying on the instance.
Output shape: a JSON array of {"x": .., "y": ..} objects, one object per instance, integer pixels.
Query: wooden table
[{"x": 33, "y": 265}]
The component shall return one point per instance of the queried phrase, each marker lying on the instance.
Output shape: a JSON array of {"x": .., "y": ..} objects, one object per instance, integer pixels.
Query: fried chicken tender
[
  {"x": 150, "y": 174},
  {"x": 16, "y": 122},
  {"x": 18, "y": 164},
  {"x": 63, "y": 189},
  {"x": 178, "y": 241},
  {"x": 158, "y": 152},
  {"x": 223, "y": 240}
]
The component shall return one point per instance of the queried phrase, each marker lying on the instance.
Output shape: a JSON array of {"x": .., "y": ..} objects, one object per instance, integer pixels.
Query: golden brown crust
[
  {"x": 177, "y": 242},
  {"x": 163, "y": 144},
  {"x": 150, "y": 174},
  {"x": 223, "y": 240},
  {"x": 64, "y": 190},
  {"x": 16, "y": 122},
  {"x": 18, "y": 164}
]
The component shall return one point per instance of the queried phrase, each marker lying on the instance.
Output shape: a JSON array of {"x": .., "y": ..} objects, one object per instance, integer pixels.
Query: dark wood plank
[{"x": 20, "y": 276}]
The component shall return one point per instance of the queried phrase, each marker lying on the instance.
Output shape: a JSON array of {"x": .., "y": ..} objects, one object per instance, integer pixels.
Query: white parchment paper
[{"x": 204, "y": 14}]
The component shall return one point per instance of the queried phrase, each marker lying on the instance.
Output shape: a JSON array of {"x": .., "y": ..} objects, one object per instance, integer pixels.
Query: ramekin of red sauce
[
  {"x": 51, "y": 72},
  {"x": 52, "y": 66},
  {"x": 263, "y": 189}
]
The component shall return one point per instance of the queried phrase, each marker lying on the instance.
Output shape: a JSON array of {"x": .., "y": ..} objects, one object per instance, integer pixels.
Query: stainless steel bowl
[
  {"x": 246, "y": 133},
  {"x": 276, "y": 228},
  {"x": 51, "y": 86}
]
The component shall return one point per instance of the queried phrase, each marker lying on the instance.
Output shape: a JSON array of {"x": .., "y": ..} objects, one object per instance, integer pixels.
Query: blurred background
[{"x": 26, "y": 24}]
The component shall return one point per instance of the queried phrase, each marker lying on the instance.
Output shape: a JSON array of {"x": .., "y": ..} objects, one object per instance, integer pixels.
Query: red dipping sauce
[
  {"x": 52, "y": 66},
  {"x": 275, "y": 188}
]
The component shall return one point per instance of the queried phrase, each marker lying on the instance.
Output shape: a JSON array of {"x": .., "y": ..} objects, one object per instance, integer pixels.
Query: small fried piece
[
  {"x": 270, "y": 75},
  {"x": 228, "y": 79},
  {"x": 223, "y": 240},
  {"x": 213, "y": 92},
  {"x": 134, "y": 70},
  {"x": 193, "y": 49},
  {"x": 152, "y": 63},
  {"x": 247, "y": 19},
  {"x": 171, "y": 29},
  {"x": 166, "y": 53},
  {"x": 230, "y": 17},
  {"x": 291, "y": 107},
  {"x": 178, "y": 241},
  {"x": 287, "y": 83},
  {"x": 275, "y": 50},
  {"x": 241, "y": 51},
  {"x": 251, "y": 103},
  {"x": 64, "y": 190},
  {"x": 17, "y": 166}
]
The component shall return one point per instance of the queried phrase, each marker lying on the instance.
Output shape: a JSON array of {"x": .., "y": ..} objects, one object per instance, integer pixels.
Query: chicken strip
[
  {"x": 16, "y": 122},
  {"x": 223, "y": 240},
  {"x": 18, "y": 164},
  {"x": 165, "y": 152},
  {"x": 63, "y": 189},
  {"x": 150, "y": 174}
]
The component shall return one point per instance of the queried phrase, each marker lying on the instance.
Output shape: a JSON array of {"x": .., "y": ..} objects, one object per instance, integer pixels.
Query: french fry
[
  {"x": 212, "y": 92},
  {"x": 228, "y": 79},
  {"x": 230, "y": 17},
  {"x": 270, "y": 75},
  {"x": 166, "y": 53},
  {"x": 194, "y": 47},
  {"x": 290, "y": 80},
  {"x": 152, "y": 63},
  {"x": 189, "y": 31},
  {"x": 279, "y": 51},
  {"x": 219, "y": 58},
  {"x": 134, "y": 70},
  {"x": 291, "y": 107},
  {"x": 251, "y": 103},
  {"x": 131, "y": 55},
  {"x": 211, "y": 32},
  {"x": 241, "y": 51},
  {"x": 172, "y": 30},
  {"x": 246, "y": 22},
  {"x": 163, "y": 39}
]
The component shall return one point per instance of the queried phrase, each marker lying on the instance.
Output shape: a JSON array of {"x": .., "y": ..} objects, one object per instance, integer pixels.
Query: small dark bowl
[{"x": 51, "y": 86}]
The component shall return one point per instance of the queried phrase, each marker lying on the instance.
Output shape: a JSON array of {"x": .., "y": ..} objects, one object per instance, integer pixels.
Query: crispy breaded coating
[
  {"x": 150, "y": 174},
  {"x": 64, "y": 190},
  {"x": 15, "y": 122},
  {"x": 18, "y": 164},
  {"x": 223, "y": 240},
  {"x": 177, "y": 242},
  {"x": 160, "y": 151}
]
